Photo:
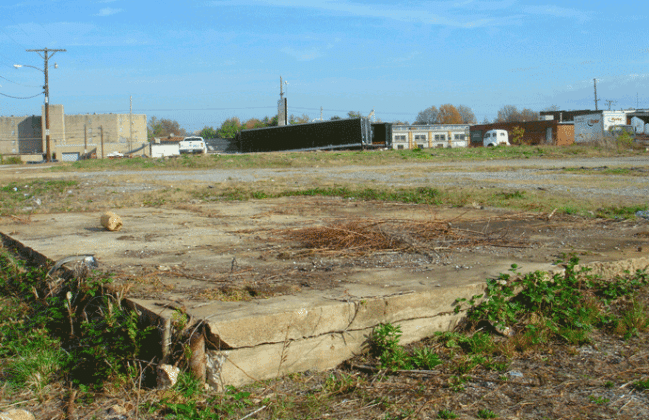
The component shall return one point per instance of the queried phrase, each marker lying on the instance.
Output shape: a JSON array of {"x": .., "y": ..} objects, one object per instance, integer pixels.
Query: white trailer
[
  {"x": 595, "y": 126},
  {"x": 164, "y": 149}
]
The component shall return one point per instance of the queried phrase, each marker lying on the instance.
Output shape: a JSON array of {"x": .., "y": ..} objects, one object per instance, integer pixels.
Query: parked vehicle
[
  {"x": 496, "y": 138},
  {"x": 192, "y": 145}
]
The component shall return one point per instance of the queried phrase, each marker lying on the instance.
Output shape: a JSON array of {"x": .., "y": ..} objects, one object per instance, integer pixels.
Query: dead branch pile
[{"x": 367, "y": 235}]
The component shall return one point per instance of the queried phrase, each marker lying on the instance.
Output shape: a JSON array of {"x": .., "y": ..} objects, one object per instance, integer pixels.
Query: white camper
[{"x": 495, "y": 138}]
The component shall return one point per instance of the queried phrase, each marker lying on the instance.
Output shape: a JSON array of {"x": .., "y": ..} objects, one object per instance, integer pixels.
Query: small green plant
[
  {"x": 341, "y": 384},
  {"x": 425, "y": 358},
  {"x": 486, "y": 414},
  {"x": 385, "y": 346},
  {"x": 642, "y": 385},
  {"x": 456, "y": 383},
  {"x": 598, "y": 400},
  {"x": 446, "y": 414},
  {"x": 385, "y": 343}
]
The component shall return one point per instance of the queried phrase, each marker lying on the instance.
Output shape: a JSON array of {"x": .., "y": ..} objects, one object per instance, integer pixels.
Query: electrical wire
[
  {"x": 18, "y": 97},
  {"x": 11, "y": 81}
]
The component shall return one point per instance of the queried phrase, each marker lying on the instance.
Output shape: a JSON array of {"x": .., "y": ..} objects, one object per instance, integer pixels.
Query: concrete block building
[
  {"x": 72, "y": 137},
  {"x": 429, "y": 136}
]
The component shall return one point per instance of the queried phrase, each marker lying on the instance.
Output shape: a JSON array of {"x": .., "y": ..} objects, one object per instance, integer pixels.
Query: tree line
[
  {"x": 445, "y": 114},
  {"x": 228, "y": 129}
]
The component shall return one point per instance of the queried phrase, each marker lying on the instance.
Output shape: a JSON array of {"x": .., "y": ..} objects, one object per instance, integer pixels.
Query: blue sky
[{"x": 200, "y": 62}]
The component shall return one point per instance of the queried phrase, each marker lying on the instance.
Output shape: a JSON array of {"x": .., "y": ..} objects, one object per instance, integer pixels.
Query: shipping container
[
  {"x": 382, "y": 135},
  {"x": 325, "y": 135}
]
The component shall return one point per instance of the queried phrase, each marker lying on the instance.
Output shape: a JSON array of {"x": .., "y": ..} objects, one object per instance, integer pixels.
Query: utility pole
[
  {"x": 282, "y": 118},
  {"x": 281, "y": 88},
  {"x": 321, "y": 114},
  {"x": 101, "y": 127},
  {"x": 130, "y": 124},
  {"x": 609, "y": 103},
  {"x": 47, "y": 54},
  {"x": 596, "y": 100}
]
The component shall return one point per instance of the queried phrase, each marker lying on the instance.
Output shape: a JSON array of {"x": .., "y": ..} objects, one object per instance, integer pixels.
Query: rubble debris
[
  {"x": 111, "y": 221},
  {"x": 642, "y": 213},
  {"x": 16, "y": 415},
  {"x": 88, "y": 261},
  {"x": 167, "y": 376}
]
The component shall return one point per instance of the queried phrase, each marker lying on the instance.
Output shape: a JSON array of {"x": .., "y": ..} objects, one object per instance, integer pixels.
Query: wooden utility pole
[
  {"x": 46, "y": 57},
  {"x": 596, "y": 100},
  {"x": 130, "y": 124},
  {"x": 101, "y": 128}
]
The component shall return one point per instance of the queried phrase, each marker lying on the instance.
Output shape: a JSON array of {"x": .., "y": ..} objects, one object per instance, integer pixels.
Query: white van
[
  {"x": 495, "y": 138},
  {"x": 192, "y": 145}
]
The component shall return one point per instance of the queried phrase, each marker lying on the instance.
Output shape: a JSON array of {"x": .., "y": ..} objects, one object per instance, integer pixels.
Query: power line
[
  {"x": 20, "y": 84},
  {"x": 18, "y": 97}
]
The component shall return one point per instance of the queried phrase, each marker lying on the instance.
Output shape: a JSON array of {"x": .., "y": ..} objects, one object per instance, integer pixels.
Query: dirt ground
[
  {"x": 195, "y": 253},
  {"x": 262, "y": 248}
]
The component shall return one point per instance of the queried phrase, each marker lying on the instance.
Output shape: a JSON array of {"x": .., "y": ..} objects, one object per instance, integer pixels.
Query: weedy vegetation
[{"x": 72, "y": 340}]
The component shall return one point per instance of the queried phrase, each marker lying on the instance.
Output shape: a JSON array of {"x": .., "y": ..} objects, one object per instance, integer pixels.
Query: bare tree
[
  {"x": 528, "y": 115},
  {"x": 468, "y": 117},
  {"x": 427, "y": 116},
  {"x": 299, "y": 120},
  {"x": 509, "y": 113}
]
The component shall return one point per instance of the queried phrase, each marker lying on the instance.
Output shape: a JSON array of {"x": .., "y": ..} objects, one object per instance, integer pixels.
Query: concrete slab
[{"x": 269, "y": 306}]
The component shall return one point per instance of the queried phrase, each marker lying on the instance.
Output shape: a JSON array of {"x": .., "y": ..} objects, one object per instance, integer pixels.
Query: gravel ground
[{"x": 522, "y": 174}]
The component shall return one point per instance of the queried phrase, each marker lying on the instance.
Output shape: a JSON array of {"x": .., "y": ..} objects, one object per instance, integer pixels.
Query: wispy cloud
[
  {"x": 107, "y": 11},
  {"x": 457, "y": 14},
  {"x": 307, "y": 54},
  {"x": 434, "y": 13},
  {"x": 560, "y": 12}
]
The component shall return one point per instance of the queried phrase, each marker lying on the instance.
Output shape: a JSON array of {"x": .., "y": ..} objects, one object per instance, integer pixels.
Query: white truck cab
[
  {"x": 193, "y": 144},
  {"x": 495, "y": 138}
]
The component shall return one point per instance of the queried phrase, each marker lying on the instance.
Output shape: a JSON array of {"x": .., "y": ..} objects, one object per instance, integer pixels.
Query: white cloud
[{"x": 107, "y": 11}]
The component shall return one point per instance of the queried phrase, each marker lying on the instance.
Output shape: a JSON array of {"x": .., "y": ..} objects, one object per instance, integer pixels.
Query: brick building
[{"x": 536, "y": 132}]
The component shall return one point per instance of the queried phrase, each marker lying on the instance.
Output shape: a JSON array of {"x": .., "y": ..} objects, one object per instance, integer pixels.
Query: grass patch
[
  {"x": 17, "y": 195},
  {"x": 11, "y": 160},
  {"x": 338, "y": 158},
  {"x": 620, "y": 212}
]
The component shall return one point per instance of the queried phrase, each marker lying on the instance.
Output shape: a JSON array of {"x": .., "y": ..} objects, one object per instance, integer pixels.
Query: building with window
[
  {"x": 406, "y": 137},
  {"x": 71, "y": 136}
]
